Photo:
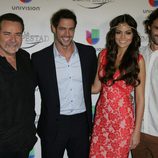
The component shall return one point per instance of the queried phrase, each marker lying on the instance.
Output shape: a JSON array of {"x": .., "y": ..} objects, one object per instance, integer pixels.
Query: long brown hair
[{"x": 128, "y": 67}]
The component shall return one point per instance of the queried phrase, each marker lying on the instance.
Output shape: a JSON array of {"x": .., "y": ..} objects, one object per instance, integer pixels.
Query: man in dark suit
[{"x": 64, "y": 72}]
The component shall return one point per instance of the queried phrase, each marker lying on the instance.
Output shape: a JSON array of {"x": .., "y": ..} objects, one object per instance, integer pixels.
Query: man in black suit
[{"x": 64, "y": 72}]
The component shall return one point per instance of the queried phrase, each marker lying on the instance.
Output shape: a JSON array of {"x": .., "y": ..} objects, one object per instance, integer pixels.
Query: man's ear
[
  {"x": 53, "y": 29},
  {"x": 149, "y": 28}
]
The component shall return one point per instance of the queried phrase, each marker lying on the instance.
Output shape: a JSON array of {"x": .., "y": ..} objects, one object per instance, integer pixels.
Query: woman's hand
[{"x": 135, "y": 139}]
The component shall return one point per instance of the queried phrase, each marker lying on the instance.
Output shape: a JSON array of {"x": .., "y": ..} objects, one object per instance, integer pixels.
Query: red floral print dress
[{"x": 114, "y": 119}]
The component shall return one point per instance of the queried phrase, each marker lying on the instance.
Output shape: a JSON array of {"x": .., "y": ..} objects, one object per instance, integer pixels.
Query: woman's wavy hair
[{"x": 128, "y": 67}]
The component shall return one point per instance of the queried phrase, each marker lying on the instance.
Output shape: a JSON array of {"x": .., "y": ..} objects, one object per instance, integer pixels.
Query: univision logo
[
  {"x": 25, "y": 1},
  {"x": 93, "y": 36},
  {"x": 153, "y": 3}
]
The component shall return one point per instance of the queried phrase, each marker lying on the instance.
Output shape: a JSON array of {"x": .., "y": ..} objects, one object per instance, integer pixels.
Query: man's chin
[
  {"x": 12, "y": 52},
  {"x": 66, "y": 45}
]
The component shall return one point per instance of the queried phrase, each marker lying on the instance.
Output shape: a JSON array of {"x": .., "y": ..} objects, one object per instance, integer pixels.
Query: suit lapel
[{"x": 52, "y": 72}]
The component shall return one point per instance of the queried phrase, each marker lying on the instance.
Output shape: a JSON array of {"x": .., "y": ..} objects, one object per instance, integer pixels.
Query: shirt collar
[{"x": 57, "y": 54}]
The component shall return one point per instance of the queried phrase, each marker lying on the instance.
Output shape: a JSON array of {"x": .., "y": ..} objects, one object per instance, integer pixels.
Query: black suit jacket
[{"x": 45, "y": 76}]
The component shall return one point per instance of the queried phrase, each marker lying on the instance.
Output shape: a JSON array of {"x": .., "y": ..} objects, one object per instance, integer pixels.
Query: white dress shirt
[
  {"x": 70, "y": 85},
  {"x": 150, "y": 120}
]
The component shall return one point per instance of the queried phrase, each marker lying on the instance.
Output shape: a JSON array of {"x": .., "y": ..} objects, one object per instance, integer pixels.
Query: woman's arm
[
  {"x": 139, "y": 99},
  {"x": 96, "y": 87}
]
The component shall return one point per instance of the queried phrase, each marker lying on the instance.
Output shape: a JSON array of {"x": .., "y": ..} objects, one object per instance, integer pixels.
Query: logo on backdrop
[
  {"x": 30, "y": 40},
  {"x": 153, "y": 3},
  {"x": 93, "y": 36},
  {"x": 92, "y": 4},
  {"x": 25, "y": 6},
  {"x": 25, "y": 1}
]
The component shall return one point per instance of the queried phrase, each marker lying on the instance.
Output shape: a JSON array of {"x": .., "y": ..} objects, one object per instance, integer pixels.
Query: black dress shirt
[{"x": 17, "y": 114}]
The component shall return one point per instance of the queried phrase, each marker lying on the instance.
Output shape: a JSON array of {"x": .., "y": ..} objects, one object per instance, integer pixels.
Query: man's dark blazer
[{"x": 45, "y": 76}]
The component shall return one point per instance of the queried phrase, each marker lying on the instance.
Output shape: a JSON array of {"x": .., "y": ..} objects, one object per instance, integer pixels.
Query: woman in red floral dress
[{"x": 121, "y": 71}]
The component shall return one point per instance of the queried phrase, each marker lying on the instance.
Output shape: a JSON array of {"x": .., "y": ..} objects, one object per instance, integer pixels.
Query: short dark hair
[
  {"x": 63, "y": 14},
  {"x": 150, "y": 19},
  {"x": 12, "y": 17}
]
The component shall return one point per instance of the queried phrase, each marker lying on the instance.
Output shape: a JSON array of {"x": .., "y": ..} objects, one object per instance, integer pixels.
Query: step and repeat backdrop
[{"x": 93, "y": 18}]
